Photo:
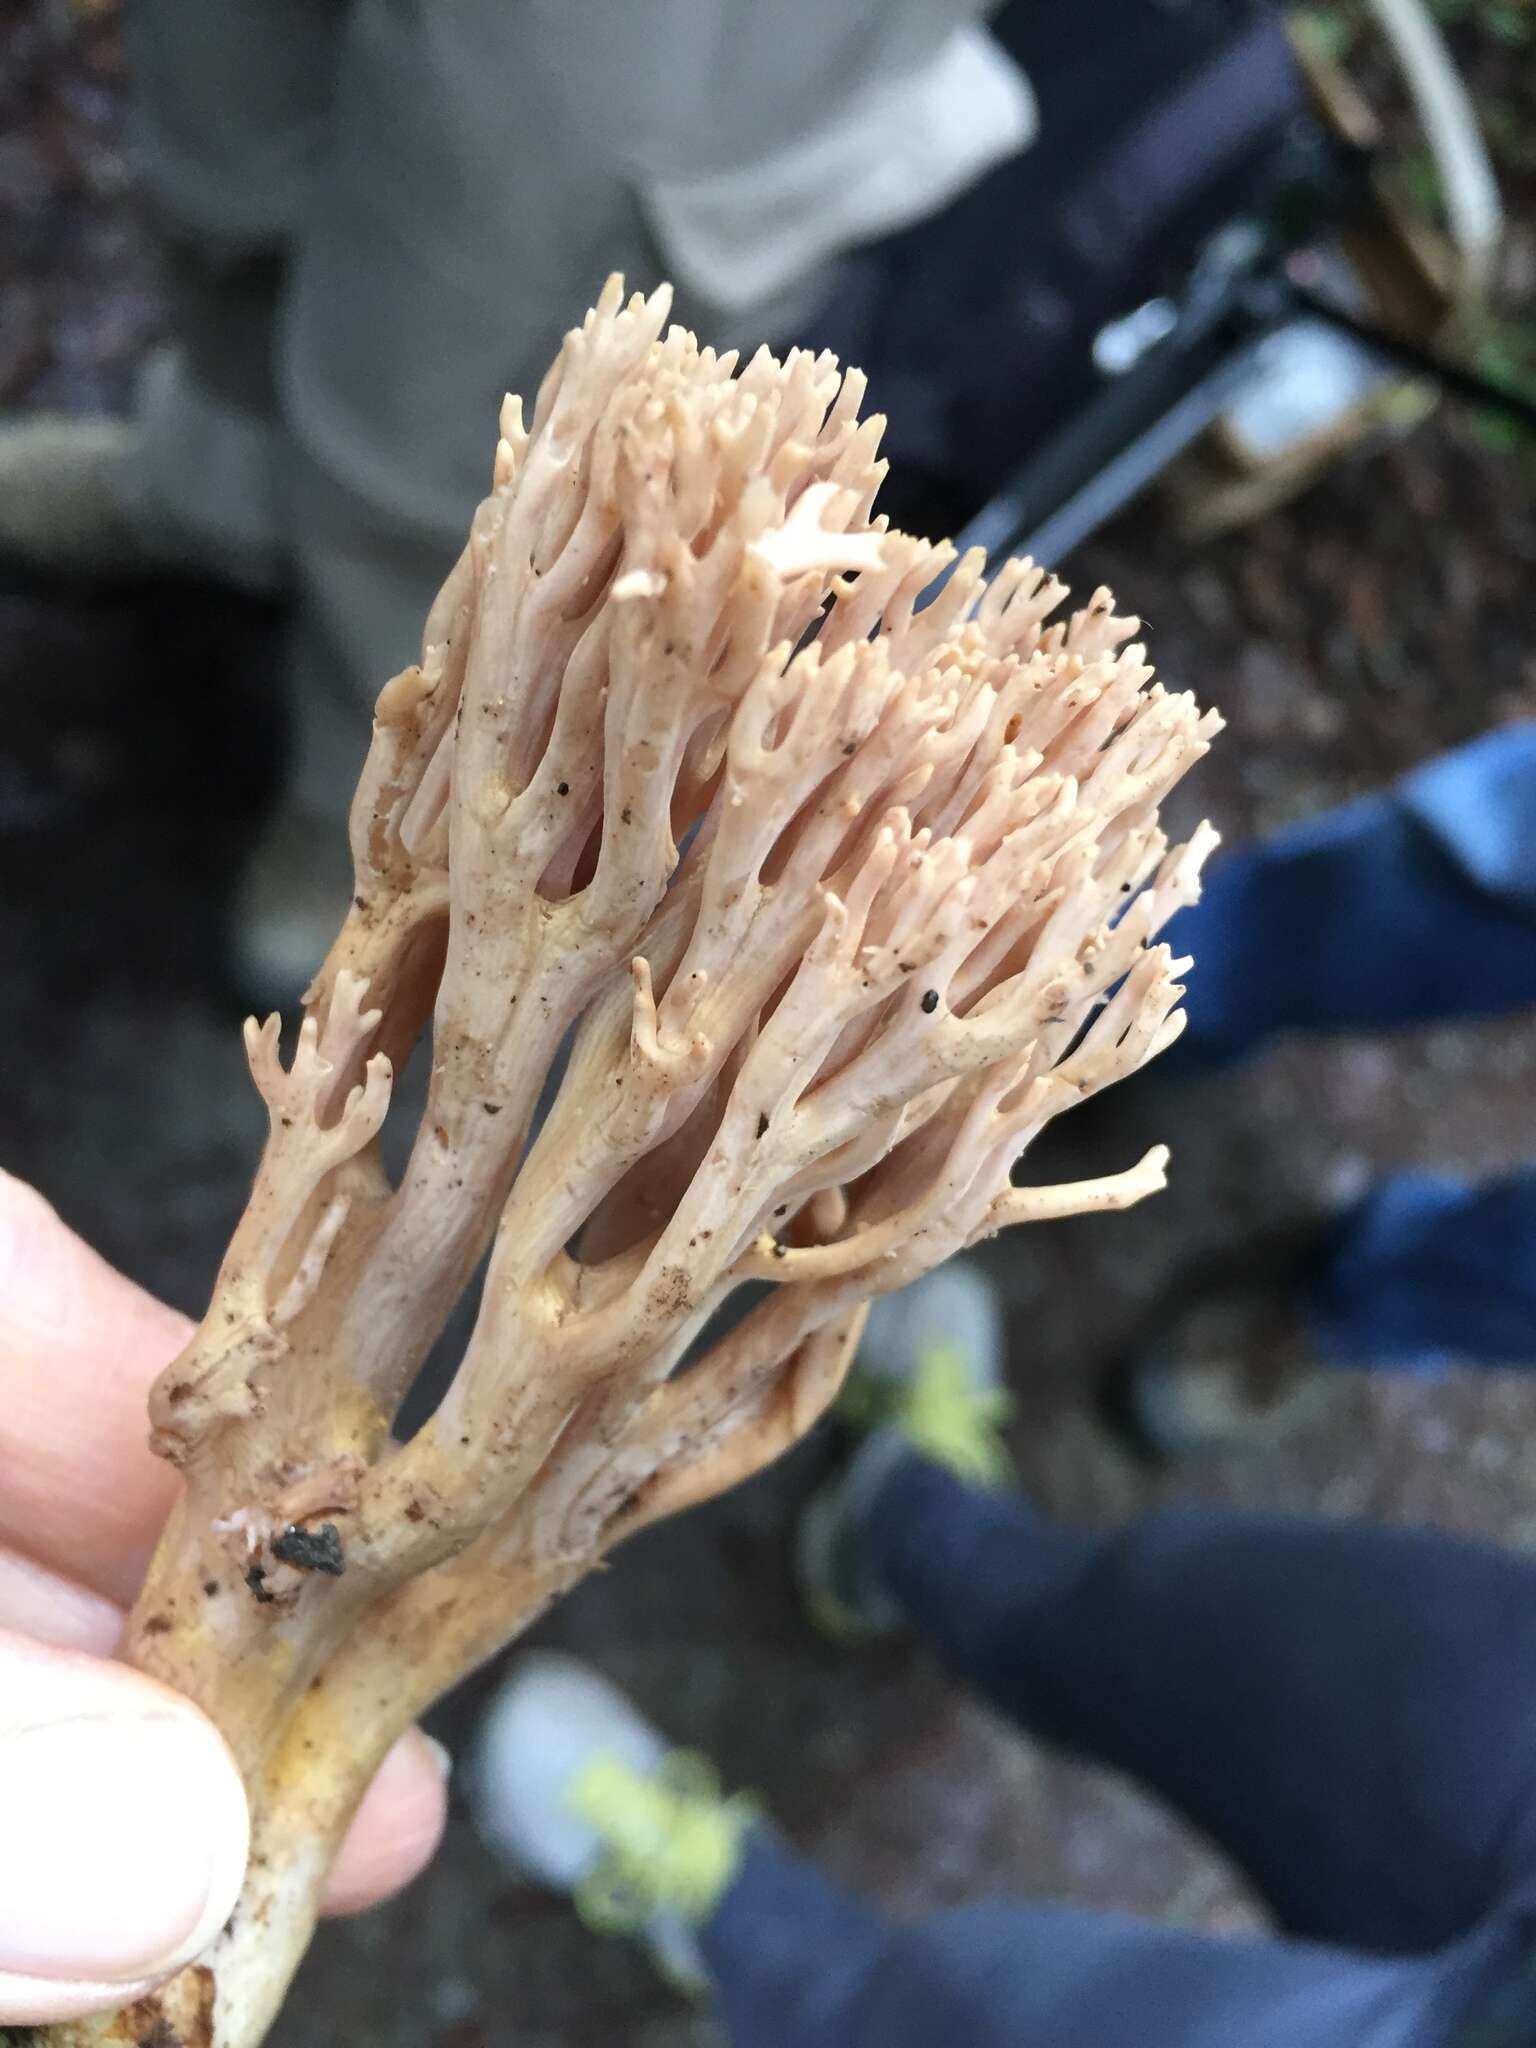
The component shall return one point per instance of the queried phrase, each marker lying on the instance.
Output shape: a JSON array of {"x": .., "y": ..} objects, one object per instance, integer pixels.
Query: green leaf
[
  {"x": 1498, "y": 432},
  {"x": 1510, "y": 23},
  {"x": 1330, "y": 31}
]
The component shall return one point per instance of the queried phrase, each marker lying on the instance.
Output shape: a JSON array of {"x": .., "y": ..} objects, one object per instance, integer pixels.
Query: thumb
[{"x": 125, "y": 1832}]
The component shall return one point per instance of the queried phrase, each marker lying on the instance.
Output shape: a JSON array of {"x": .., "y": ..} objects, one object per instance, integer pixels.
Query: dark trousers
[
  {"x": 1345, "y": 1711},
  {"x": 1427, "y": 1267},
  {"x": 1411, "y": 906}
]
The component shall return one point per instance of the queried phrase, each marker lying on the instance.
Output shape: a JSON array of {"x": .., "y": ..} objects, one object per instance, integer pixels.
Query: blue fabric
[
  {"x": 1480, "y": 804},
  {"x": 1343, "y": 1710},
  {"x": 1401, "y": 908},
  {"x": 1430, "y": 1267},
  {"x": 1414, "y": 905}
]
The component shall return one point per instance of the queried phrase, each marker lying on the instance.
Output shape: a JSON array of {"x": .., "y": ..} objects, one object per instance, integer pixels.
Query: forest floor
[{"x": 1382, "y": 617}]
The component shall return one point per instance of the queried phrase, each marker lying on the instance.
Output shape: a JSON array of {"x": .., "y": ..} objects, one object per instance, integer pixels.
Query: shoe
[
  {"x": 289, "y": 903},
  {"x": 1227, "y": 1366},
  {"x": 63, "y": 510},
  {"x": 573, "y": 1788},
  {"x": 929, "y": 1378}
]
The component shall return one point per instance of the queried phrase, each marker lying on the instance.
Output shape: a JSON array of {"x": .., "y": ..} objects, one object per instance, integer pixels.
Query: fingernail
[
  {"x": 441, "y": 1756},
  {"x": 125, "y": 1845}
]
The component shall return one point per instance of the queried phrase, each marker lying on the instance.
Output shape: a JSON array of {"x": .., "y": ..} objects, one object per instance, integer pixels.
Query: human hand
[{"x": 122, "y": 1816}]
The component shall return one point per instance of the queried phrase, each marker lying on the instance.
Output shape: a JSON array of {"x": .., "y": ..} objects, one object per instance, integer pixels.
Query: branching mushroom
[{"x": 833, "y": 897}]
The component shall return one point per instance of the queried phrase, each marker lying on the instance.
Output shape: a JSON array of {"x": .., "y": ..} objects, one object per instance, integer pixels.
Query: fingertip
[
  {"x": 126, "y": 1831},
  {"x": 21, "y": 1206},
  {"x": 79, "y": 1346},
  {"x": 396, "y": 1829}
]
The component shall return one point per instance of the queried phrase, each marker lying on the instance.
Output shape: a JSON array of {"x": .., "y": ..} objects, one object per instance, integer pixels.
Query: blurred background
[{"x": 1127, "y": 328}]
